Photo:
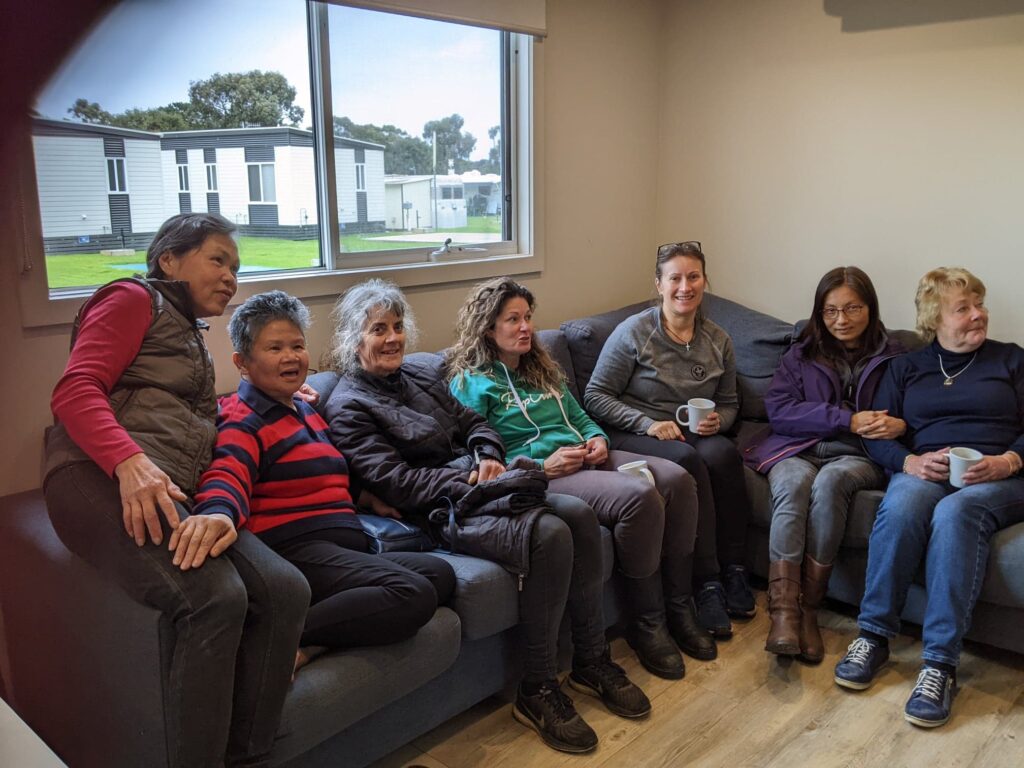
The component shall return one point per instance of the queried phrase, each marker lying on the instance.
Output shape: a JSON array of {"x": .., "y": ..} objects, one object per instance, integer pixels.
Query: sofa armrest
[{"x": 84, "y": 663}]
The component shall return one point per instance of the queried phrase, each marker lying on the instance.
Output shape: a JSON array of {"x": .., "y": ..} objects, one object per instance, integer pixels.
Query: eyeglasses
[
  {"x": 687, "y": 246},
  {"x": 852, "y": 311}
]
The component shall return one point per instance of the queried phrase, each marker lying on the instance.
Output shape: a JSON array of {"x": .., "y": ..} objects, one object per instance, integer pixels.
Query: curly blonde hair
[
  {"x": 930, "y": 290},
  {"x": 474, "y": 349}
]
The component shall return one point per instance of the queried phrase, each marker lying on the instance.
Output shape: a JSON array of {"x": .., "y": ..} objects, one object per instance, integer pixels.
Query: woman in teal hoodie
[{"x": 497, "y": 368}]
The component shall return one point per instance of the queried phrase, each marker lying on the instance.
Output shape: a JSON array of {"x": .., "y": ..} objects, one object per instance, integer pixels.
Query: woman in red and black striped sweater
[{"x": 276, "y": 472}]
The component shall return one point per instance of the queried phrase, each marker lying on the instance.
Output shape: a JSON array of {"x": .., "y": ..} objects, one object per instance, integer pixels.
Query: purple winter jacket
[{"x": 804, "y": 404}]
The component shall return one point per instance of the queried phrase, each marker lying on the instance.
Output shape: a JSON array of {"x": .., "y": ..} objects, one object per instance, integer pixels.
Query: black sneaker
[
  {"x": 607, "y": 681},
  {"x": 711, "y": 610},
  {"x": 739, "y": 600},
  {"x": 551, "y": 714}
]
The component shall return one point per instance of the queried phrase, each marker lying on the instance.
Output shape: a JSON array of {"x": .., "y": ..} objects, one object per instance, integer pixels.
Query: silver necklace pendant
[{"x": 948, "y": 382}]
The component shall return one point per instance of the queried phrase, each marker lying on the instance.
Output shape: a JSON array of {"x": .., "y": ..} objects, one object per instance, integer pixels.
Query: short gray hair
[
  {"x": 259, "y": 310},
  {"x": 351, "y": 313},
  {"x": 183, "y": 233}
]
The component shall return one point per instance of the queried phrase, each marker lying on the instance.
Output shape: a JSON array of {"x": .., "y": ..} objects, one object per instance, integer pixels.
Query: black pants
[
  {"x": 723, "y": 505},
  {"x": 565, "y": 569},
  {"x": 360, "y": 598},
  {"x": 227, "y": 686}
]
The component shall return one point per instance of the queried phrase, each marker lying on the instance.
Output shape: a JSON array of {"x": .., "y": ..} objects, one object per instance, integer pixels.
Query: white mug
[
  {"x": 960, "y": 460},
  {"x": 697, "y": 409},
  {"x": 638, "y": 469}
]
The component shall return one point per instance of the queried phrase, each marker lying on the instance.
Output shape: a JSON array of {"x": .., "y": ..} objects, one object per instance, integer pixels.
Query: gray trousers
[
  {"x": 647, "y": 522},
  {"x": 811, "y": 495}
]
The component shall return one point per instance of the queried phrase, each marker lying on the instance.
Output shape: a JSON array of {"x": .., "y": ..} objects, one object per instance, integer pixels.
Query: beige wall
[
  {"x": 789, "y": 146},
  {"x": 598, "y": 134}
]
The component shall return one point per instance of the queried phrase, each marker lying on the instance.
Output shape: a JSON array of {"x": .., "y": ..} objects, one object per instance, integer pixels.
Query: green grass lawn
[{"x": 74, "y": 270}]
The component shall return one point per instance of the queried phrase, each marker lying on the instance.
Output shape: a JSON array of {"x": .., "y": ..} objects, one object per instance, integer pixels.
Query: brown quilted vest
[{"x": 165, "y": 399}]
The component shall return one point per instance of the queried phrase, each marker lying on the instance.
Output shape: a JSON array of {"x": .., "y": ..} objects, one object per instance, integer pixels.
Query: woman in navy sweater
[
  {"x": 961, "y": 390},
  {"x": 819, "y": 406}
]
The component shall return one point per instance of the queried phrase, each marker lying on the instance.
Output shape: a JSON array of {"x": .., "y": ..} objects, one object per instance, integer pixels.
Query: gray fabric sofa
[{"x": 82, "y": 664}]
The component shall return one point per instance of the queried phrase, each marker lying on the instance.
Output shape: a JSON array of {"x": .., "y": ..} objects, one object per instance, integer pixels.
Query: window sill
[{"x": 61, "y": 309}]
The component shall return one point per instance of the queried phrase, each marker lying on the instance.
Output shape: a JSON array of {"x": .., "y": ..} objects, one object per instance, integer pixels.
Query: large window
[{"x": 336, "y": 138}]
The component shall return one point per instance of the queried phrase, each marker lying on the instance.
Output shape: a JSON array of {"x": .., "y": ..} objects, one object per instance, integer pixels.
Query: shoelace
[
  {"x": 559, "y": 702},
  {"x": 859, "y": 651},
  {"x": 931, "y": 683},
  {"x": 612, "y": 672}
]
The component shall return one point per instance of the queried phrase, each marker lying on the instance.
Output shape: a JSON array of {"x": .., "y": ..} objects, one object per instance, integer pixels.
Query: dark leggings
[
  {"x": 225, "y": 686},
  {"x": 359, "y": 598},
  {"x": 724, "y": 508},
  {"x": 565, "y": 571}
]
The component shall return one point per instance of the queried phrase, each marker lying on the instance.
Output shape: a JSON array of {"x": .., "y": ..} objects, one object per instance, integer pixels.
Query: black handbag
[{"x": 386, "y": 534}]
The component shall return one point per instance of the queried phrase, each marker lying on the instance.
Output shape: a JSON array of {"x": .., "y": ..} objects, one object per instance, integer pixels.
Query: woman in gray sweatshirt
[{"x": 654, "y": 362}]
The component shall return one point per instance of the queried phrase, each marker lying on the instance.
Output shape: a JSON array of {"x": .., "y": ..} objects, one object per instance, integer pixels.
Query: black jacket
[{"x": 407, "y": 440}]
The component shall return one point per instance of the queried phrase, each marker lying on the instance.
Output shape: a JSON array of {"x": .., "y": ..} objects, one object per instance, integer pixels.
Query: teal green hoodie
[{"x": 549, "y": 423}]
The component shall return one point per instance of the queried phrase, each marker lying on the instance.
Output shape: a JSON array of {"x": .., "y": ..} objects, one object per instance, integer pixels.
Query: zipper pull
[{"x": 520, "y": 582}]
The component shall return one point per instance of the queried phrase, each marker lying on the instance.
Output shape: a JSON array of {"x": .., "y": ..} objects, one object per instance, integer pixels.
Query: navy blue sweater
[{"x": 983, "y": 408}]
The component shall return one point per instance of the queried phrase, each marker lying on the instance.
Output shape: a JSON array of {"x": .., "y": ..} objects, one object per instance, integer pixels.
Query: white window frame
[
  {"x": 524, "y": 254},
  {"x": 112, "y": 175},
  {"x": 211, "y": 177},
  {"x": 183, "y": 185}
]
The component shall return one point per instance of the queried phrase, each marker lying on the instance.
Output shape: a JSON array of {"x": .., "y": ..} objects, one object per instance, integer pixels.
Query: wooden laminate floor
[{"x": 747, "y": 709}]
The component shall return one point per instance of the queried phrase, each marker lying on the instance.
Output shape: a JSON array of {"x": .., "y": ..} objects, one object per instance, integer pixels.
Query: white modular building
[{"x": 105, "y": 187}]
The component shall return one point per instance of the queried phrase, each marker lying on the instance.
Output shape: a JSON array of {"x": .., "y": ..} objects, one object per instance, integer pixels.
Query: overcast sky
[{"x": 384, "y": 68}]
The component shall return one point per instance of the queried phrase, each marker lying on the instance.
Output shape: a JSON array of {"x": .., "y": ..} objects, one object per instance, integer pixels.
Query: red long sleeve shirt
[{"x": 114, "y": 322}]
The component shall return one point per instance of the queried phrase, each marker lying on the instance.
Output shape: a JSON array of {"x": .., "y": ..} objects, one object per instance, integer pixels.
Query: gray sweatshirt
[{"x": 643, "y": 375}]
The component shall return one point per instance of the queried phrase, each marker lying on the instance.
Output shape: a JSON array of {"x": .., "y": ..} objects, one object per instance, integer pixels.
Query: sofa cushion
[
  {"x": 341, "y": 687},
  {"x": 324, "y": 383},
  {"x": 555, "y": 343},
  {"x": 586, "y": 336},
  {"x": 487, "y": 596},
  {"x": 759, "y": 340}
]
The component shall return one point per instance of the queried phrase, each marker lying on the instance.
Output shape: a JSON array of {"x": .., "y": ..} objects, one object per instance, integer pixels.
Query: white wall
[
  {"x": 71, "y": 173},
  {"x": 145, "y": 185},
  {"x": 789, "y": 146},
  {"x": 374, "y": 169},
  {"x": 233, "y": 184}
]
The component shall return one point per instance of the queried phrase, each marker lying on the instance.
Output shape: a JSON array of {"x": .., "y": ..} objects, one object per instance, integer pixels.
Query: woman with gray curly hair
[
  {"x": 415, "y": 446},
  {"x": 498, "y": 368},
  {"x": 276, "y": 472},
  {"x": 965, "y": 390}
]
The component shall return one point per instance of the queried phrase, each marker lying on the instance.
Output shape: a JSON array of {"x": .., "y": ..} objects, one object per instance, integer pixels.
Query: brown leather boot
[
  {"x": 813, "y": 588},
  {"x": 784, "y": 608}
]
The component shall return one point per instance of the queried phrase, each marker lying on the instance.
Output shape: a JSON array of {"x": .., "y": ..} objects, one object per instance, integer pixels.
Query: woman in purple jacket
[{"x": 818, "y": 406}]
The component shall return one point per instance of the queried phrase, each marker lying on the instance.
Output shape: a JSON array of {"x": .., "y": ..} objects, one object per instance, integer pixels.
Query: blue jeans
[{"x": 947, "y": 529}]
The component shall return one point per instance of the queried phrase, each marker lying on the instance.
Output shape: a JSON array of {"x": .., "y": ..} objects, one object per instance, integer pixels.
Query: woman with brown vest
[{"x": 134, "y": 431}]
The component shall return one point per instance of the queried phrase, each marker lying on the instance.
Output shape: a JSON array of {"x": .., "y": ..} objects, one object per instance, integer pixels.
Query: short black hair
[{"x": 257, "y": 311}]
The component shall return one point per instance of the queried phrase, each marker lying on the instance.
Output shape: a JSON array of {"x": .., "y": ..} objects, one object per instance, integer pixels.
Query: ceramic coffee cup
[
  {"x": 639, "y": 469},
  {"x": 960, "y": 460},
  {"x": 697, "y": 409}
]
